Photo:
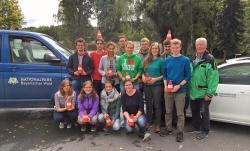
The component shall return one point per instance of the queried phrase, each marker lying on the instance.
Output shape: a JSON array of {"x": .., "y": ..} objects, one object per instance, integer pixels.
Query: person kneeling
[
  {"x": 65, "y": 98},
  {"x": 111, "y": 106},
  {"x": 88, "y": 102},
  {"x": 133, "y": 109}
]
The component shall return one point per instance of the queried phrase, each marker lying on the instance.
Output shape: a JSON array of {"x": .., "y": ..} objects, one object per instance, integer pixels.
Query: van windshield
[{"x": 65, "y": 51}]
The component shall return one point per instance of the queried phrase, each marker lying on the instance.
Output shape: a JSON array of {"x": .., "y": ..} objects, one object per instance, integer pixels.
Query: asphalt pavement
[{"x": 34, "y": 130}]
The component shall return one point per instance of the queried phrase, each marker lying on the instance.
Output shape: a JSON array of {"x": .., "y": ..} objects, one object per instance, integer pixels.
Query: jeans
[
  {"x": 153, "y": 100},
  {"x": 93, "y": 120},
  {"x": 141, "y": 123},
  {"x": 116, "y": 125},
  {"x": 77, "y": 85},
  {"x": 200, "y": 115},
  {"x": 179, "y": 100},
  {"x": 65, "y": 116}
]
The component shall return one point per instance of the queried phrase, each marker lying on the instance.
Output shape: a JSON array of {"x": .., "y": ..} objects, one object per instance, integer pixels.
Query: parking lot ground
[{"x": 35, "y": 130}]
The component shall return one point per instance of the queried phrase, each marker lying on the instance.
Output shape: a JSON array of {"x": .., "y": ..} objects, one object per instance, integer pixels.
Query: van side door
[{"x": 1, "y": 70}]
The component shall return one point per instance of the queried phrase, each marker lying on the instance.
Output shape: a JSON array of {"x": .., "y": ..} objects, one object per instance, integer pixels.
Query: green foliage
[
  {"x": 246, "y": 42},
  {"x": 231, "y": 28},
  {"x": 10, "y": 14},
  {"x": 187, "y": 19},
  {"x": 116, "y": 17},
  {"x": 75, "y": 15}
]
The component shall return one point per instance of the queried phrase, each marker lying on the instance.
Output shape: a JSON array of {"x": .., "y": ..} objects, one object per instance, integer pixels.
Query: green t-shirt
[
  {"x": 130, "y": 64},
  {"x": 155, "y": 69}
]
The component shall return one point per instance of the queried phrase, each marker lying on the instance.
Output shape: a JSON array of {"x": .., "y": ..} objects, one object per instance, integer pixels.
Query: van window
[
  {"x": 26, "y": 50},
  {"x": 235, "y": 74}
]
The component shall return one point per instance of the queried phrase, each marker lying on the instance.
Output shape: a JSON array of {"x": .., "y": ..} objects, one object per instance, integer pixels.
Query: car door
[
  {"x": 232, "y": 102},
  {"x": 30, "y": 80},
  {"x": 1, "y": 71}
]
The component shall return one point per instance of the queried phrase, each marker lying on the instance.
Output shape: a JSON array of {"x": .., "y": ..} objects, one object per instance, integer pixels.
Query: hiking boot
[
  {"x": 61, "y": 125},
  {"x": 179, "y": 137},
  {"x": 191, "y": 129},
  {"x": 165, "y": 132},
  {"x": 202, "y": 135}
]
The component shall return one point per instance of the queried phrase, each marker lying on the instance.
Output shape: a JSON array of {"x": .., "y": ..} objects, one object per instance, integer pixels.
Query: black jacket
[{"x": 87, "y": 66}]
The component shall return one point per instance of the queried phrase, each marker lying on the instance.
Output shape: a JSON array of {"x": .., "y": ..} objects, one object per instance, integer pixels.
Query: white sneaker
[
  {"x": 61, "y": 125},
  {"x": 69, "y": 125}
]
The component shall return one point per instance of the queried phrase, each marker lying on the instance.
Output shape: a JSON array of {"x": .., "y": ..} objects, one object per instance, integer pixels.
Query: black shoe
[
  {"x": 179, "y": 137},
  {"x": 165, "y": 132},
  {"x": 191, "y": 129},
  {"x": 141, "y": 132},
  {"x": 202, "y": 135}
]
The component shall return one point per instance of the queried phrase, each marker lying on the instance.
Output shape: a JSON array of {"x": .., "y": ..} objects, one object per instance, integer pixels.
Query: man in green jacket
[{"x": 203, "y": 85}]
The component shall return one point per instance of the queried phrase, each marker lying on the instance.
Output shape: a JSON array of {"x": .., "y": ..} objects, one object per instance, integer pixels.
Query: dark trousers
[
  {"x": 153, "y": 100},
  {"x": 200, "y": 115},
  {"x": 66, "y": 116},
  {"x": 98, "y": 86}
]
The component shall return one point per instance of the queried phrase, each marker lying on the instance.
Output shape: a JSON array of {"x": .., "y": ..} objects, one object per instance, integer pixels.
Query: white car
[{"x": 231, "y": 103}]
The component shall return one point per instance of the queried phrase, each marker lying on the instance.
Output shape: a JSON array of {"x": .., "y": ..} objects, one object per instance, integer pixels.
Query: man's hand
[
  {"x": 207, "y": 98},
  {"x": 76, "y": 73},
  {"x": 176, "y": 88}
]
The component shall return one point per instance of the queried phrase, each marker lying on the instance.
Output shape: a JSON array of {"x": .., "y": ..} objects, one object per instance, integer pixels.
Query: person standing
[
  {"x": 166, "y": 49},
  {"x": 80, "y": 65},
  {"x": 129, "y": 66},
  {"x": 176, "y": 74},
  {"x": 96, "y": 57},
  {"x": 203, "y": 85},
  {"x": 153, "y": 85},
  {"x": 144, "y": 48},
  {"x": 121, "y": 45},
  {"x": 107, "y": 66}
]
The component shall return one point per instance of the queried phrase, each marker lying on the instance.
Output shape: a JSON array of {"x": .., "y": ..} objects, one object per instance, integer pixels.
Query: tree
[
  {"x": 115, "y": 17},
  {"x": 187, "y": 20},
  {"x": 231, "y": 28},
  {"x": 10, "y": 14},
  {"x": 75, "y": 17}
]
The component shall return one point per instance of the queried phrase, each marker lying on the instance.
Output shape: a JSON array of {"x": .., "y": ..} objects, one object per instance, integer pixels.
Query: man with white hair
[{"x": 203, "y": 85}]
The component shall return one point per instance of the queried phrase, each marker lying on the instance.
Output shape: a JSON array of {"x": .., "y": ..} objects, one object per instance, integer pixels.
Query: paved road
[{"x": 34, "y": 130}]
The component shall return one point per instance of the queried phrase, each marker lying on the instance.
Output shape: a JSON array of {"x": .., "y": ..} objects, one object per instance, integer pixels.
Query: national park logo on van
[{"x": 13, "y": 81}]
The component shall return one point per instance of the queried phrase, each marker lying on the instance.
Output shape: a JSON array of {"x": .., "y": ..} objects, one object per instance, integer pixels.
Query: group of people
[{"x": 113, "y": 80}]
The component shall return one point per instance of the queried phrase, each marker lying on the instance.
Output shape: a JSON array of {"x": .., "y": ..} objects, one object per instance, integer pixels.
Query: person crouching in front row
[
  {"x": 65, "y": 99},
  {"x": 111, "y": 107},
  {"x": 133, "y": 109},
  {"x": 88, "y": 102}
]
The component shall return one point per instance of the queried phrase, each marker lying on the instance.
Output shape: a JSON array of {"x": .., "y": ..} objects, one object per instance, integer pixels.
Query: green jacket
[{"x": 205, "y": 77}]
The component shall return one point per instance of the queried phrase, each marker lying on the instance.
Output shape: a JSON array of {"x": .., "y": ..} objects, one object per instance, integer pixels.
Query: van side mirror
[{"x": 50, "y": 57}]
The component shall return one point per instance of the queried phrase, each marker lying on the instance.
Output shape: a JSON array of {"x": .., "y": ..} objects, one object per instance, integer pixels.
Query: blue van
[{"x": 32, "y": 65}]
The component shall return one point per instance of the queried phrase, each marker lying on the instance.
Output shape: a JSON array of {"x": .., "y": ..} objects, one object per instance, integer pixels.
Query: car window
[
  {"x": 26, "y": 50},
  {"x": 235, "y": 74}
]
